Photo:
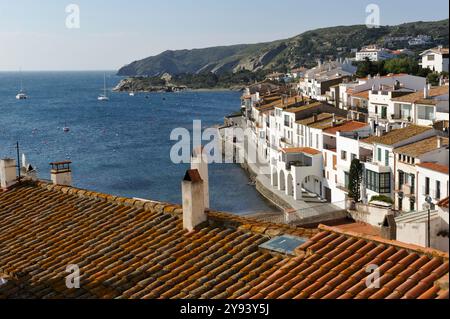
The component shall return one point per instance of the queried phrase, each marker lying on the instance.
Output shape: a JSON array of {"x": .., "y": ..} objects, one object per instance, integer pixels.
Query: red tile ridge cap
[{"x": 377, "y": 239}]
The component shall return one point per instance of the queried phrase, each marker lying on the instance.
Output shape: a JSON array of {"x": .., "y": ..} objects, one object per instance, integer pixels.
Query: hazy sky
[{"x": 34, "y": 36}]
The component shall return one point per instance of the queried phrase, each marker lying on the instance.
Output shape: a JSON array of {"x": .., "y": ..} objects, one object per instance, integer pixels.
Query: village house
[
  {"x": 379, "y": 164},
  {"x": 435, "y": 59},
  {"x": 414, "y": 175},
  {"x": 317, "y": 81},
  {"x": 425, "y": 107},
  {"x": 374, "y": 53}
]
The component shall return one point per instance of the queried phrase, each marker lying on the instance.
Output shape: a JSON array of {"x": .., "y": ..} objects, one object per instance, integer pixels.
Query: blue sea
[{"x": 120, "y": 147}]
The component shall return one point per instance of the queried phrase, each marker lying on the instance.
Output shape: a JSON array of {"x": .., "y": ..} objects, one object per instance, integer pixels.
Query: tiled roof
[
  {"x": 333, "y": 265},
  {"x": 129, "y": 248},
  {"x": 362, "y": 95},
  {"x": 437, "y": 167},
  {"x": 306, "y": 150},
  {"x": 321, "y": 121},
  {"x": 437, "y": 50},
  {"x": 398, "y": 135},
  {"x": 421, "y": 147},
  {"x": 346, "y": 127},
  {"x": 418, "y": 97},
  {"x": 444, "y": 203}
]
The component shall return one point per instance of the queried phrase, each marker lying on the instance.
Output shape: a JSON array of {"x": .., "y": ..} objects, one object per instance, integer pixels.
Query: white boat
[
  {"x": 104, "y": 96},
  {"x": 21, "y": 95},
  {"x": 132, "y": 93}
]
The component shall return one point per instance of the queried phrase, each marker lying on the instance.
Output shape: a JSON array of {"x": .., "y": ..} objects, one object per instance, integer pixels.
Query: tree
[
  {"x": 433, "y": 78},
  {"x": 355, "y": 179}
]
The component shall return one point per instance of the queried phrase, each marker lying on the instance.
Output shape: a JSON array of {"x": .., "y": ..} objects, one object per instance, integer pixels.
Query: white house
[
  {"x": 424, "y": 107},
  {"x": 317, "y": 81},
  {"x": 435, "y": 59},
  {"x": 373, "y": 53},
  {"x": 413, "y": 180},
  {"x": 379, "y": 167}
]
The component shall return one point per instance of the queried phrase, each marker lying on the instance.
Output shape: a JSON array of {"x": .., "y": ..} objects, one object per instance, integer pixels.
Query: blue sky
[{"x": 33, "y": 35}]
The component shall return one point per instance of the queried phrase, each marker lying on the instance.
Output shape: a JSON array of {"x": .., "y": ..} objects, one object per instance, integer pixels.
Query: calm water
[{"x": 120, "y": 147}]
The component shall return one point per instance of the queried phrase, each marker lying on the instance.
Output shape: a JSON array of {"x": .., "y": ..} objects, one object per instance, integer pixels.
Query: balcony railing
[
  {"x": 296, "y": 164},
  {"x": 366, "y": 159}
]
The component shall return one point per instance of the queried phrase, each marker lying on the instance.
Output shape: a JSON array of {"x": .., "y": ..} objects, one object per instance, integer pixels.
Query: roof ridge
[
  {"x": 223, "y": 219},
  {"x": 397, "y": 244}
]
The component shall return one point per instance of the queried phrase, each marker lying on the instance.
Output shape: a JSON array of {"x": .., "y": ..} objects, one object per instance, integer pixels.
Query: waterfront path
[{"x": 304, "y": 209}]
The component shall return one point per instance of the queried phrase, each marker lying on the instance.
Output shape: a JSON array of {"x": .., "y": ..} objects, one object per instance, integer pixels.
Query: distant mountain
[{"x": 301, "y": 50}]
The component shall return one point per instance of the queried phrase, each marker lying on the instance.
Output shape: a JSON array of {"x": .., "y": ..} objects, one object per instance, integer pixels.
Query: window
[
  {"x": 317, "y": 141},
  {"x": 343, "y": 155},
  {"x": 378, "y": 182},
  {"x": 426, "y": 113},
  {"x": 346, "y": 179},
  {"x": 353, "y": 157},
  {"x": 386, "y": 158},
  {"x": 427, "y": 186},
  {"x": 379, "y": 155},
  {"x": 286, "y": 120},
  {"x": 401, "y": 179},
  {"x": 430, "y": 57},
  {"x": 438, "y": 190}
]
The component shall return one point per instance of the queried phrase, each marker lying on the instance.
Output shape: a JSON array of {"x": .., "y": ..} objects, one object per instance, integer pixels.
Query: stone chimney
[
  {"x": 439, "y": 142},
  {"x": 199, "y": 161},
  {"x": 61, "y": 174},
  {"x": 7, "y": 173},
  {"x": 389, "y": 227},
  {"x": 193, "y": 200},
  {"x": 314, "y": 117}
]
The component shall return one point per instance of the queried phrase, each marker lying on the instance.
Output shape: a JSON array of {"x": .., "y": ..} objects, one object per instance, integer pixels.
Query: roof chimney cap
[{"x": 192, "y": 175}]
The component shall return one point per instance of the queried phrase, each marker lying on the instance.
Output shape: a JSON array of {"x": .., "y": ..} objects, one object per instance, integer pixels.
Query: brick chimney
[
  {"x": 199, "y": 161},
  {"x": 7, "y": 173},
  {"x": 193, "y": 200},
  {"x": 314, "y": 117},
  {"x": 61, "y": 174}
]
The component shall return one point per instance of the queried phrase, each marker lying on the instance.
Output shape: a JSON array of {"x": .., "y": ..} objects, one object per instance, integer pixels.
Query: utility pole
[{"x": 18, "y": 161}]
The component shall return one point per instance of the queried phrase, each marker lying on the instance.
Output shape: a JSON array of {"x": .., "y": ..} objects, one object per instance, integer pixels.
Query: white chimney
[
  {"x": 7, "y": 173},
  {"x": 199, "y": 161},
  {"x": 193, "y": 200},
  {"x": 425, "y": 92},
  {"x": 61, "y": 174}
]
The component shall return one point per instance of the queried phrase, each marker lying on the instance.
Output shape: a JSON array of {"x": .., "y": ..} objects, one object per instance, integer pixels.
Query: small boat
[
  {"x": 131, "y": 93},
  {"x": 104, "y": 96},
  {"x": 21, "y": 95},
  {"x": 66, "y": 129}
]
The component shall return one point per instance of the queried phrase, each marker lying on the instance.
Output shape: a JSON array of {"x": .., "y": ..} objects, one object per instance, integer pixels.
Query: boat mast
[{"x": 104, "y": 84}]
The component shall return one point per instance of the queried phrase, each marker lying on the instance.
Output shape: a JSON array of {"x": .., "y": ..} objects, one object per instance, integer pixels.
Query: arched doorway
[
  {"x": 282, "y": 181},
  {"x": 274, "y": 178}
]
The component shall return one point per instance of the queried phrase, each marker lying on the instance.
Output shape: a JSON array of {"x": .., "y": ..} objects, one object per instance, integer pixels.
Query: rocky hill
[{"x": 301, "y": 50}]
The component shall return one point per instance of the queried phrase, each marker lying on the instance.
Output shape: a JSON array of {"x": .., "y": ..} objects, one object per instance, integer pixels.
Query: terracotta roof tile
[
  {"x": 128, "y": 250},
  {"x": 437, "y": 167},
  {"x": 397, "y": 135}
]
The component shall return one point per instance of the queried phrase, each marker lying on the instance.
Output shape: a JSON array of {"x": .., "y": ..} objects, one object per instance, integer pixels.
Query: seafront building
[{"x": 396, "y": 126}]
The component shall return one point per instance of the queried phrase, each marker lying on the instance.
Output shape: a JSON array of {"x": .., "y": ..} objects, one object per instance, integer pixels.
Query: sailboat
[
  {"x": 103, "y": 97},
  {"x": 21, "y": 95}
]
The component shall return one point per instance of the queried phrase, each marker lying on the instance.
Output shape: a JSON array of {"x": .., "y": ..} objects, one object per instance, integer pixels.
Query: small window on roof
[{"x": 285, "y": 244}]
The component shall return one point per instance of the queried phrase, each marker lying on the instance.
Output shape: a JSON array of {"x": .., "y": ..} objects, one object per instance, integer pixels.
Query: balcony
[
  {"x": 296, "y": 164},
  {"x": 366, "y": 159}
]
